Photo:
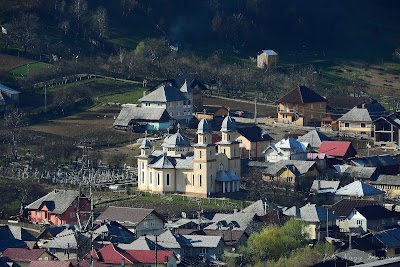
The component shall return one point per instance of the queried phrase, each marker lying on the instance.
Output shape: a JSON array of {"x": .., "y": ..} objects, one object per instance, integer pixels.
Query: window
[
  {"x": 205, "y": 139},
  {"x": 359, "y": 222},
  {"x": 142, "y": 165},
  {"x": 168, "y": 180},
  {"x": 186, "y": 179},
  {"x": 312, "y": 106},
  {"x": 204, "y": 251},
  {"x": 200, "y": 166},
  {"x": 158, "y": 178},
  {"x": 346, "y": 125},
  {"x": 234, "y": 152},
  {"x": 193, "y": 179},
  {"x": 200, "y": 154},
  {"x": 200, "y": 180},
  {"x": 362, "y": 125},
  {"x": 38, "y": 213},
  {"x": 150, "y": 178},
  {"x": 210, "y": 153},
  {"x": 229, "y": 137},
  {"x": 142, "y": 177},
  {"x": 321, "y": 105},
  {"x": 397, "y": 251},
  {"x": 72, "y": 214},
  {"x": 219, "y": 250}
]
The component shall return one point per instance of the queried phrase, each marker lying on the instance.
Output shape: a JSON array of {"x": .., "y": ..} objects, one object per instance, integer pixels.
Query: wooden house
[{"x": 302, "y": 107}]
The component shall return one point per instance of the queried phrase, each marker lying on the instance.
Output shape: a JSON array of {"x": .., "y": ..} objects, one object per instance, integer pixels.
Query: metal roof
[
  {"x": 226, "y": 176},
  {"x": 387, "y": 180},
  {"x": 324, "y": 186},
  {"x": 358, "y": 189},
  {"x": 164, "y": 93},
  {"x": 314, "y": 138},
  {"x": 314, "y": 213},
  {"x": 389, "y": 238},
  {"x": 132, "y": 112},
  {"x": 176, "y": 140},
  {"x": 199, "y": 241},
  {"x": 234, "y": 221},
  {"x": 204, "y": 127},
  {"x": 302, "y": 166},
  {"x": 57, "y": 201},
  {"x": 8, "y": 90},
  {"x": 368, "y": 113},
  {"x": 270, "y": 52},
  {"x": 228, "y": 124}
]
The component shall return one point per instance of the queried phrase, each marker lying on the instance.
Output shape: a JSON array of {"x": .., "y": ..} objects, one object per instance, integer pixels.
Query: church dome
[
  {"x": 228, "y": 124},
  {"x": 145, "y": 143},
  {"x": 176, "y": 140},
  {"x": 204, "y": 127}
]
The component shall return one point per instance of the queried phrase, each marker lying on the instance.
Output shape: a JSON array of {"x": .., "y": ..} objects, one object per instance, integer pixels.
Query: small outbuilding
[{"x": 267, "y": 58}]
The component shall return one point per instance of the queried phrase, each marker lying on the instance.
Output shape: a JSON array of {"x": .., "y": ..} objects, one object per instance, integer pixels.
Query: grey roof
[
  {"x": 324, "y": 186},
  {"x": 57, "y": 201},
  {"x": 387, "y": 180},
  {"x": 384, "y": 262},
  {"x": 356, "y": 256},
  {"x": 302, "y": 166},
  {"x": 393, "y": 118},
  {"x": 228, "y": 124},
  {"x": 375, "y": 161},
  {"x": 141, "y": 243},
  {"x": 389, "y": 238},
  {"x": 167, "y": 240},
  {"x": 226, "y": 176},
  {"x": 164, "y": 93},
  {"x": 270, "y": 52},
  {"x": 235, "y": 221},
  {"x": 358, "y": 189},
  {"x": 176, "y": 140},
  {"x": 314, "y": 213},
  {"x": 314, "y": 138},
  {"x": 8, "y": 90},
  {"x": 162, "y": 162},
  {"x": 292, "y": 211},
  {"x": 359, "y": 172},
  {"x": 260, "y": 207},
  {"x": 371, "y": 112},
  {"x": 289, "y": 143},
  {"x": 67, "y": 239},
  {"x": 126, "y": 216},
  {"x": 146, "y": 143},
  {"x": 114, "y": 232},
  {"x": 199, "y": 241},
  {"x": 132, "y": 112},
  {"x": 204, "y": 127},
  {"x": 15, "y": 232}
]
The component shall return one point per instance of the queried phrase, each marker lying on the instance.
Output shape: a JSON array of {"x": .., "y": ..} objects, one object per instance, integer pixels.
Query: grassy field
[
  {"x": 122, "y": 98},
  {"x": 30, "y": 68}
]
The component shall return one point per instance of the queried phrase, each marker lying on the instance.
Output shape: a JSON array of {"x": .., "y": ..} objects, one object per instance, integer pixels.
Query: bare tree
[
  {"x": 14, "y": 120},
  {"x": 24, "y": 29},
  {"x": 100, "y": 21}
]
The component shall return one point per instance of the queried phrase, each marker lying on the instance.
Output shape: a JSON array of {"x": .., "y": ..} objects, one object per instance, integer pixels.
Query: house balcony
[{"x": 287, "y": 111}]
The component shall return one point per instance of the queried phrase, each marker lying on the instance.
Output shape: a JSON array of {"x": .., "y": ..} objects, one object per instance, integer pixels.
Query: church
[{"x": 200, "y": 170}]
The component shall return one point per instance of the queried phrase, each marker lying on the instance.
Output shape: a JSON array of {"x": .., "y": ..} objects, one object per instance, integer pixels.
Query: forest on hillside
[{"x": 347, "y": 28}]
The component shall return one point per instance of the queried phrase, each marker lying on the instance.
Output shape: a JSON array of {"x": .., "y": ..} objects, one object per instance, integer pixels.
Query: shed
[{"x": 267, "y": 58}]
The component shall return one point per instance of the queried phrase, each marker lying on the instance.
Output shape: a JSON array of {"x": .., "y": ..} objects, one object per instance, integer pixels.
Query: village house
[
  {"x": 317, "y": 220},
  {"x": 365, "y": 174},
  {"x": 384, "y": 164},
  {"x": 337, "y": 151},
  {"x": 237, "y": 221},
  {"x": 314, "y": 138},
  {"x": 287, "y": 149},
  {"x": 358, "y": 121},
  {"x": 202, "y": 169},
  {"x": 302, "y": 107},
  {"x": 294, "y": 174},
  {"x": 386, "y": 130},
  {"x": 267, "y": 58},
  {"x": 253, "y": 141},
  {"x": 23, "y": 256},
  {"x": 322, "y": 191},
  {"x": 390, "y": 240},
  {"x": 139, "y": 221},
  {"x": 135, "y": 118},
  {"x": 372, "y": 218},
  {"x": 59, "y": 207},
  {"x": 213, "y": 113},
  {"x": 360, "y": 190},
  {"x": 345, "y": 207},
  {"x": 177, "y": 102},
  {"x": 388, "y": 183}
]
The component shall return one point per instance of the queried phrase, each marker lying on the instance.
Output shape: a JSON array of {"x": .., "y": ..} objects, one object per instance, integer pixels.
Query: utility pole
[
  {"x": 88, "y": 227},
  {"x": 255, "y": 110},
  {"x": 45, "y": 98},
  {"x": 156, "y": 252}
]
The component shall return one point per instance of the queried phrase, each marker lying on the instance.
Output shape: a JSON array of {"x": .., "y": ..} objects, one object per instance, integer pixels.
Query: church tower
[
  {"x": 228, "y": 145},
  {"x": 143, "y": 160},
  {"x": 204, "y": 166}
]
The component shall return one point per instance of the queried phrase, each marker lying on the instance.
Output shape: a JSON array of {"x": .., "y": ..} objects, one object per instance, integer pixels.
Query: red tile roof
[
  {"x": 23, "y": 254},
  {"x": 114, "y": 255},
  {"x": 335, "y": 148},
  {"x": 50, "y": 264},
  {"x": 148, "y": 256}
]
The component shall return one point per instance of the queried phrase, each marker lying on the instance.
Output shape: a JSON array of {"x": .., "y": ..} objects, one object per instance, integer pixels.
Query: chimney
[{"x": 319, "y": 184}]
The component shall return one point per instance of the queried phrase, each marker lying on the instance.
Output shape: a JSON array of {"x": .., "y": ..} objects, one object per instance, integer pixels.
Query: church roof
[
  {"x": 176, "y": 140},
  {"x": 204, "y": 127},
  {"x": 228, "y": 124},
  {"x": 146, "y": 143}
]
